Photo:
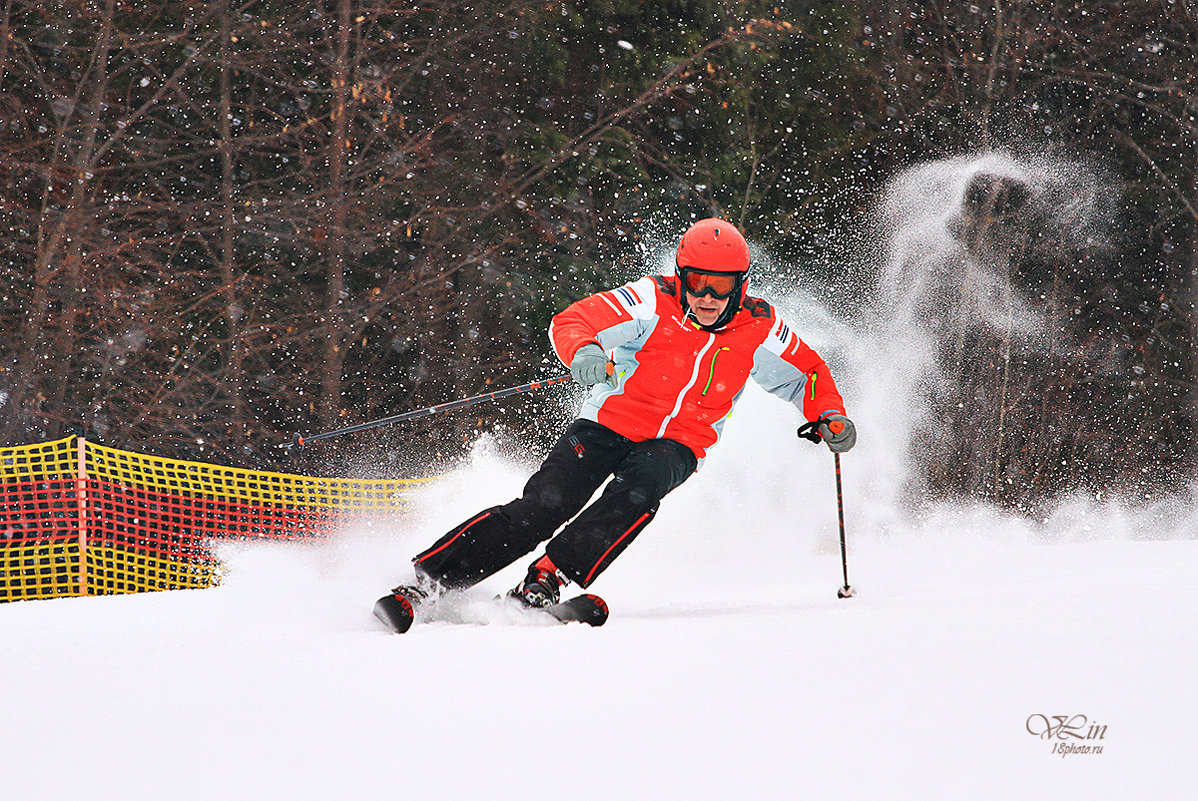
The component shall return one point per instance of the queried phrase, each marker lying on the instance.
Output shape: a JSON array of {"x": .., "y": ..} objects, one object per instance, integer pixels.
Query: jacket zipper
[{"x": 694, "y": 378}]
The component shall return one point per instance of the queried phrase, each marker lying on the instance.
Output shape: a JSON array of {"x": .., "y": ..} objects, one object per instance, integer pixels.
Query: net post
[{"x": 81, "y": 497}]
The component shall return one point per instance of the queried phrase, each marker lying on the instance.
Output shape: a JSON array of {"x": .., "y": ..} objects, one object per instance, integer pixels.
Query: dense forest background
[{"x": 225, "y": 222}]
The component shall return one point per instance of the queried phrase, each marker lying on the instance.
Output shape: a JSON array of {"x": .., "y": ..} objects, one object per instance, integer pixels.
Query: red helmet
[
  {"x": 713, "y": 245},
  {"x": 713, "y": 258}
]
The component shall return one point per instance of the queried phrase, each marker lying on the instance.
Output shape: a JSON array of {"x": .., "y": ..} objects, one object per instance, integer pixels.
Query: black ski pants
[{"x": 585, "y": 456}]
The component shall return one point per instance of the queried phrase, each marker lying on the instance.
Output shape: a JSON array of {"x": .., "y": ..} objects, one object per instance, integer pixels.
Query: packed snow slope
[{"x": 729, "y": 668}]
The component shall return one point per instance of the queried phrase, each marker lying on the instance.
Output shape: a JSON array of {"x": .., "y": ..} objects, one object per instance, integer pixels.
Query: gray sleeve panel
[{"x": 777, "y": 376}]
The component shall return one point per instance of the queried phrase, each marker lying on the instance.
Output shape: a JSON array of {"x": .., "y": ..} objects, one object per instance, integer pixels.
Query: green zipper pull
[{"x": 711, "y": 372}]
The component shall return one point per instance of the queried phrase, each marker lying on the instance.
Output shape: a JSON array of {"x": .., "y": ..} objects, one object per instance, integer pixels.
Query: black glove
[
  {"x": 591, "y": 366},
  {"x": 838, "y": 431}
]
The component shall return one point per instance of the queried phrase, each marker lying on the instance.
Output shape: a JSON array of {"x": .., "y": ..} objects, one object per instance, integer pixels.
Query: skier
[{"x": 667, "y": 357}]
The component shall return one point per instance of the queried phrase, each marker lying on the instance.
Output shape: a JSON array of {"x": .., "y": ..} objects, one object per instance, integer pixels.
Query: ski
[
  {"x": 397, "y": 612},
  {"x": 585, "y": 608}
]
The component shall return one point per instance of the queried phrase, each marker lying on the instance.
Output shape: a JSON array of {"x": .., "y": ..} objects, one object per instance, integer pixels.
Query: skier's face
[{"x": 706, "y": 308}]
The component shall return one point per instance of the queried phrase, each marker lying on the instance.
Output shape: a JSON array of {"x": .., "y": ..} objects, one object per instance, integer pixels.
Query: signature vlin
[{"x": 1070, "y": 734}]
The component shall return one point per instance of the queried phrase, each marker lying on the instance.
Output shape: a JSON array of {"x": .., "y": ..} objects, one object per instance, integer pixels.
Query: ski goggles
[{"x": 718, "y": 285}]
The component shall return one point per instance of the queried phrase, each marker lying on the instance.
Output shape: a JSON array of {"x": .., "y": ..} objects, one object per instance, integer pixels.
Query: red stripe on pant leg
[
  {"x": 639, "y": 520},
  {"x": 481, "y": 517}
]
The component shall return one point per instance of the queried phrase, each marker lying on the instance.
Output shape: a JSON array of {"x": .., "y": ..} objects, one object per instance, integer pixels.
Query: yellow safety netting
[{"x": 80, "y": 518}]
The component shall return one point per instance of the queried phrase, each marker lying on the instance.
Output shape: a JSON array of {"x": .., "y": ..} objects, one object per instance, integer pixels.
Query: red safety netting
[{"x": 79, "y": 518}]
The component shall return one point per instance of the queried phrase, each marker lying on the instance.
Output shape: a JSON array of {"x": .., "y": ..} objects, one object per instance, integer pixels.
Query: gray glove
[
  {"x": 838, "y": 431},
  {"x": 591, "y": 366}
]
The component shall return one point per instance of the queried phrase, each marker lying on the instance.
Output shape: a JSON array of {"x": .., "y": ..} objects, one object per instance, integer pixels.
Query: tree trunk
[
  {"x": 336, "y": 203},
  {"x": 233, "y": 313},
  {"x": 44, "y": 367}
]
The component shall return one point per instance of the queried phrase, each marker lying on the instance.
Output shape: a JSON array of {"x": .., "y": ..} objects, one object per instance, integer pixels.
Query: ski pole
[
  {"x": 461, "y": 403},
  {"x": 810, "y": 431},
  {"x": 846, "y": 591}
]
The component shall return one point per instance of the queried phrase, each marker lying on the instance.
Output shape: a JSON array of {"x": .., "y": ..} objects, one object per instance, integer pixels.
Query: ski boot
[
  {"x": 398, "y": 609},
  {"x": 542, "y": 587}
]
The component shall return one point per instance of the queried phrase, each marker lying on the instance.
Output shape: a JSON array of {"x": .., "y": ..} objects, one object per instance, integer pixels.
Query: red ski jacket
[{"x": 677, "y": 381}]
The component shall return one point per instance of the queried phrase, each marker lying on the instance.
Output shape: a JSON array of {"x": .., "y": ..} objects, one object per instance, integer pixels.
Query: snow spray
[{"x": 952, "y": 231}]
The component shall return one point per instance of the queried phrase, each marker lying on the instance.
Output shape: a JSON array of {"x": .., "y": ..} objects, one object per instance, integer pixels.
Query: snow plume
[
  {"x": 952, "y": 290},
  {"x": 931, "y": 275},
  {"x": 954, "y": 228}
]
